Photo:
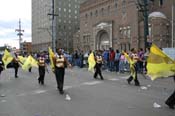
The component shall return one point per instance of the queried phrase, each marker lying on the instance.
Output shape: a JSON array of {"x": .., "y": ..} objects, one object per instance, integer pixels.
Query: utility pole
[
  {"x": 53, "y": 27},
  {"x": 19, "y": 30}
]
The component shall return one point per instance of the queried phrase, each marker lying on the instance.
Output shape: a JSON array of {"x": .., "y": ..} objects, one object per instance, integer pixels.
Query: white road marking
[
  {"x": 113, "y": 79},
  {"x": 39, "y": 91},
  {"x": 143, "y": 88},
  {"x": 67, "y": 87},
  {"x": 92, "y": 83},
  {"x": 124, "y": 77},
  {"x": 3, "y": 101},
  {"x": 22, "y": 94}
]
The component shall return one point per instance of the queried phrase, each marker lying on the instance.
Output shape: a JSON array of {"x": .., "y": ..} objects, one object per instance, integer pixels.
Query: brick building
[{"x": 119, "y": 24}]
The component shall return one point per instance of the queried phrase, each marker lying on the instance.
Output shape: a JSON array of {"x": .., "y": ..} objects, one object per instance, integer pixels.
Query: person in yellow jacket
[
  {"x": 60, "y": 63},
  {"x": 133, "y": 68},
  {"x": 41, "y": 69},
  {"x": 99, "y": 61}
]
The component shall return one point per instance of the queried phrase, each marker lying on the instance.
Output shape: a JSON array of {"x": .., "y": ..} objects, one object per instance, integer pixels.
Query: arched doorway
[{"x": 103, "y": 41}]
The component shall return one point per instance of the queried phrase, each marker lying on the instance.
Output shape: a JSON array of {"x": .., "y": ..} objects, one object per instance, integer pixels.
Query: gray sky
[{"x": 10, "y": 13}]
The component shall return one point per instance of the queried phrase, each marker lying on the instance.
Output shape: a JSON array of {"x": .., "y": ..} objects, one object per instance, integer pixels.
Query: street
[{"x": 84, "y": 95}]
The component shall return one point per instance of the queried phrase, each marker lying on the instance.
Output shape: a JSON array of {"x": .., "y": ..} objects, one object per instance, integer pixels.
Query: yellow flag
[
  {"x": 132, "y": 63},
  {"x": 159, "y": 64},
  {"x": 91, "y": 61},
  {"x": 22, "y": 59},
  {"x": 7, "y": 58},
  {"x": 51, "y": 56},
  {"x": 30, "y": 62},
  {"x": 34, "y": 63}
]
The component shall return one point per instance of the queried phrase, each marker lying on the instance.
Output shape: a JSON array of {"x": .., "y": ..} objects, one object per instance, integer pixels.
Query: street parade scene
[{"x": 97, "y": 63}]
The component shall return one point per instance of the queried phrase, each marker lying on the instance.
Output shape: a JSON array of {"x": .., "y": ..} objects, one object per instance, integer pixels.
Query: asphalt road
[{"x": 84, "y": 96}]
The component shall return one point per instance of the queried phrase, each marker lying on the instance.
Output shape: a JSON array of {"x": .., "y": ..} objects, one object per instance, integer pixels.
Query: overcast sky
[{"x": 10, "y": 13}]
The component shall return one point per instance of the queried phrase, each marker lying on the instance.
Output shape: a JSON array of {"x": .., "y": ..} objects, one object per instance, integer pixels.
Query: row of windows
[
  {"x": 68, "y": 10},
  {"x": 69, "y": 27},
  {"x": 102, "y": 11},
  {"x": 125, "y": 32},
  {"x": 64, "y": 21}
]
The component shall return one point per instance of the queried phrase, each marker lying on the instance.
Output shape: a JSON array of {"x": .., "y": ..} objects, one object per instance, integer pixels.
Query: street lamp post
[{"x": 143, "y": 8}]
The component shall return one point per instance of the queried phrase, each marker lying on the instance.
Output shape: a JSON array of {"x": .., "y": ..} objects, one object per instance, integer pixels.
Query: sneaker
[
  {"x": 129, "y": 82},
  {"x": 61, "y": 92}
]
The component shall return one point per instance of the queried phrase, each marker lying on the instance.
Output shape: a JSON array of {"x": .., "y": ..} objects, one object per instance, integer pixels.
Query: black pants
[
  {"x": 98, "y": 71},
  {"x": 135, "y": 79},
  {"x": 16, "y": 66},
  {"x": 59, "y": 73},
  {"x": 41, "y": 74},
  {"x": 30, "y": 69},
  {"x": 171, "y": 100}
]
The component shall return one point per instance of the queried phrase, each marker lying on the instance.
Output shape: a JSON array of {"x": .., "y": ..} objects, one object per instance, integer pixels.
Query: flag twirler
[{"x": 131, "y": 63}]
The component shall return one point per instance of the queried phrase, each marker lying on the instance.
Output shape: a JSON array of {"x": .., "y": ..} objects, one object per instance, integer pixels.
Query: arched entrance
[{"x": 103, "y": 41}]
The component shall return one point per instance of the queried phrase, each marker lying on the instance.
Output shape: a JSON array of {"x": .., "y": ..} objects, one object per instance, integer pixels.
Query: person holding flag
[
  {"x": 16, "y": 64},
  {"x": 41, "y": 69},
  {"x": 133, "y": 67},
  {"x": 171, "y": 99},
  {"x": 60, "y": 63},
  {"x": 99, "y": 61},
  {"x": 1, "y": 65},
  {"x": 159, "y": 65}
]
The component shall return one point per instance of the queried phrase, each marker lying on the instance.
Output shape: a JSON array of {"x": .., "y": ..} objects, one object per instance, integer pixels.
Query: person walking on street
[
  {"x": 60, "y": 63},
  {"x": 1, "y": 65},
  {"x": 133, "y": 67},
  {"x": 16, "y": 65},
  {"x": 99, "y": 60},
  {"x": 171, "y": 99},
  {"x": 41, "y": 69}
]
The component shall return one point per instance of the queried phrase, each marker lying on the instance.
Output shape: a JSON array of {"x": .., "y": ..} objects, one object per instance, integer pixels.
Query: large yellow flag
[
  {"x": 7, "y": 58},
  {"x": 51, "y": 56},
  {"x": 30, "y": 62},
  {"x": 159, "y": 64},
  {"x": 91, "y": 62}
]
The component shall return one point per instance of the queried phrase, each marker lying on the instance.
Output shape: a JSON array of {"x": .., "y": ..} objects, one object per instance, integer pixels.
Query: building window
[
  {"x": 160, "y": 2},
  {"x": 91, "y": 14},
  {"x": 149, "y": 30},
  {"x": 69, "y": 5},
  {"x": 76, "y": 17},
  {"x": 102, "y": 11},
  {"x": 59, "y": 9},
  {"x": 76, "y": 12},
  {"x": 64, "y": 10},
  {"x": 69, "y": 10},
  {"x": 96, "y": 13},
  {"x": 86, "y": 15},
  {"x": 109, "y": 7}
]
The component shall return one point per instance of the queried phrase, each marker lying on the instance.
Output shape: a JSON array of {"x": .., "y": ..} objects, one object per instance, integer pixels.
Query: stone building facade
[{"x": 119, "y": 24}]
